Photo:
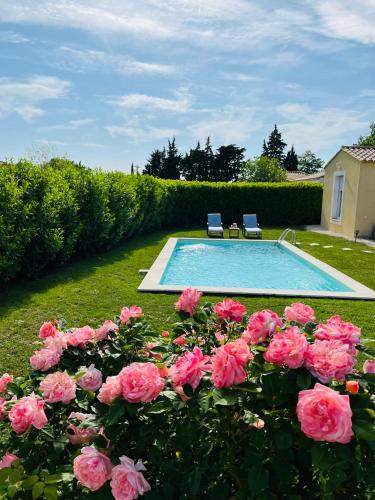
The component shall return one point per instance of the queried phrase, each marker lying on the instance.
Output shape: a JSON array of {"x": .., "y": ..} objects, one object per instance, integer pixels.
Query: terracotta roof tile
[{"x": 362, "y": 153}]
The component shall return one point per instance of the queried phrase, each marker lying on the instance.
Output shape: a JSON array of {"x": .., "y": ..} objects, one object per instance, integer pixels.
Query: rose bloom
[
  {"x": 337, "y": 329},
  {"x": 102, "y": 332},
  {"x": 132, "y": 312},
  {"x": 58, "y": 342},
  {"x": 261, "y": 324},
  {"x": 188, "y": 300},
  {"x": 45, "y": 359},
  {"x": 91, "y": 380},
  {"x": 352, "y": 386},
  {"x": 92, "y": 468},
  {"x": 221, "y": 338},
  {"x": 329, "y": 359},
  {"x": 299, "y": 312},
  {"x": 180, "y": 341},
  {"x": 369, "y": 366},
  {"x": 189, "y": 368},
  {"x": 140, "y": 382},
  {"x": 27, "y": 412},
  {"x": 81, "y": 336},
  {"x": 110, "y": 390},
  {"x": 77, "y": 434},
  {"x": 58, "y": 387},
  {"x": 229, "y": 310},
  {"x": 3, "y": 410},
  {"x": 228, "y": 362},
  {"x": 7, "y": 460},
  {"x": 127, "y": 480},
  {"x": 165, "y": 333},
  {"x": 325, "y": 415},
  {"x": 4, "y": 381},
  {"x": 287, "y": 348},
  {"x": 47, "y": 330}
]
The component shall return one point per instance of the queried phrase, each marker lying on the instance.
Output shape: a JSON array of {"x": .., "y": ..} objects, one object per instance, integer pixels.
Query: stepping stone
[
  {"x": 346, "y": 248},
  {"x": 298, "y": 243},
  {"x": 367, "y": 251},
  {"x": 314, "y": 244},
  {"x": 328, "y": 246}
]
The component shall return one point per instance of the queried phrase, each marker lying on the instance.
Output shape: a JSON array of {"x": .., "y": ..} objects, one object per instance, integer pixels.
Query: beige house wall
[
  {"x": 342, "y": 162},
  {"x": 365, "y": 216}
]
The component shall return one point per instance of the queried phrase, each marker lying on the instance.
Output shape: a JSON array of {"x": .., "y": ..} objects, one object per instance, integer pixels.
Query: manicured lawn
[{"x": 91, "y": 290}]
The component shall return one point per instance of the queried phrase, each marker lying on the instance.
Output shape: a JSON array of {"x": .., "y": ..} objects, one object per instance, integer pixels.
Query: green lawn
[{"x": 91, "y": 290}]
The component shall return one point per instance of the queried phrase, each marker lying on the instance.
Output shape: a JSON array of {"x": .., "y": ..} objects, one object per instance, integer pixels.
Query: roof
[
  {"x": 361, "y": 153},
  {"x": 297, "y": 175}
]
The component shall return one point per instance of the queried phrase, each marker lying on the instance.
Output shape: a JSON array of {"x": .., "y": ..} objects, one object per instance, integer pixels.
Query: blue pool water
[{"x": 243, "y": 264}]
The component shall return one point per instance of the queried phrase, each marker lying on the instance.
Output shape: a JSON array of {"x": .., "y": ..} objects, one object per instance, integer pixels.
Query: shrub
[
  {"x": 263, "y": 169},
  {"x": 222, "y": 406}
]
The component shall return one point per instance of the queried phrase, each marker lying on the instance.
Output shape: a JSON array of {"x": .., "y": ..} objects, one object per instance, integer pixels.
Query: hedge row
[{"x": 48, "y": 214}]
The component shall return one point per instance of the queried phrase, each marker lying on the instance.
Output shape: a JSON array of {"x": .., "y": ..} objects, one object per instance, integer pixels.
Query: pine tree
[
  {"x": 172, "y": 162},
  {"x": 208, "y": 168},
  {"x": 228, "y": 162},
  {"x": 132, "y": 169},
  {"x": 291, "y": 160},
  {"x": 275, "y": 146},
  {"x": 193, "y": 165},
  {"x": 155, "y": 163}
]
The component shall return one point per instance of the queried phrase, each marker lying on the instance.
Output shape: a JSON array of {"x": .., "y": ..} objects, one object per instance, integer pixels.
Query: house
[
  {"x": 348, "y": 205},
  {"x": 297, "y": 175}
]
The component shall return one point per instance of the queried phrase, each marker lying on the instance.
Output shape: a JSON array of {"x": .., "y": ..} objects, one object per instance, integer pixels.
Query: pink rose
[
  {"x": 3, "y": 410},
  {"x": 132, "y": 312},
  {"x": 188, "y": 300},
  {"x": 102, "y": 332},
  {"x": 110, "y": 390},
  {"x": 81, "y": 336},
  {"x": 329, "y": 359},
  {"x": 180, "y": 341},
  {"x": 261, "y": 324},
  {"x": 229, "y": 310},
  {"x": 165, "y": 333},
  {"x": 352, "y": 386},
  {"x": 48, "y": 330},
  {"x": 127, "y": 480},
  {"x": 337, "y": 329},
  {"x": 91, "y": 380},
  {"x": 45, "y": 359},
  {"x": 221, "y": 338},
  {"x": 58, "y": 342},
  {"x": 4, "y": 381},
  {"x": 58, "y": 387},
  {"x": 78, "y": 434},
  {"x": 7, "y": 460},
  {"x": 287, "y": 348},
  {"x": 299, "y": 312},
  {"x": 27, "y": 412},
  {"x": 228, "y": 362},
  {"x": 369, "y": 366},
  {"x": 92, "y": 468},
  {"x": 189, "y": 368},
  {"x": 325, "y": 415},
  {"x": 140, "y": 382}
]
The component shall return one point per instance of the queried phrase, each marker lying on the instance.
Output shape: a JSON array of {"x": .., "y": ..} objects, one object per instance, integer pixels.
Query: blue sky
[{"x": 106, "y": 82}]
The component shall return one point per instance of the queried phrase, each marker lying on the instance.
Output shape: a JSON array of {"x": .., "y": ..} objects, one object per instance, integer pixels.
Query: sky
[{"x": 107, "y": 82}]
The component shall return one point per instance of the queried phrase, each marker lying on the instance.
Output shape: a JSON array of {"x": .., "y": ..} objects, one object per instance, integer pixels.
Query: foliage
[
  {"x": 198, "y": 440},
  {"x": 291, "y": 160},
  {"x": 274, "y": 148},
  {"x": 155, "y": 163},
  {"x": 227, "y": 163},
  {"x": 263, "y": 169},
  {"x": 309, "y": 163},
  {"x": 368, "y": 140}
]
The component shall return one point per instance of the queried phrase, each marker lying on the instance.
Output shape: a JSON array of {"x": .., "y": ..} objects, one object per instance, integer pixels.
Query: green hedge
[{"x": 48, "y": 214}]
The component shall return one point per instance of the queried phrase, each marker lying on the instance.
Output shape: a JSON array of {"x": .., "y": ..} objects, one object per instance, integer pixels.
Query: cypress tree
[
  {"x": 275, "y": 146},
  {"x": 155, "y": 163},
  {"x": 291, "y": 160},
  {"x": 172, "y": 162}
]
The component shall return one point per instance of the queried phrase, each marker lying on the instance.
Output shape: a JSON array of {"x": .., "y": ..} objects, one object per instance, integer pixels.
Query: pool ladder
[{"x": 285, "y": 233}]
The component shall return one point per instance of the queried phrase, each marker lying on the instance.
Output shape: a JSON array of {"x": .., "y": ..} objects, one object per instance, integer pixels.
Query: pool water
[{"x": 244, "y": 264}]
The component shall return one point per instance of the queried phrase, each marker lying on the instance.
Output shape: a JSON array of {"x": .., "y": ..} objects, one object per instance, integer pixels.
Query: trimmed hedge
[{"x": 48, "y": 214}]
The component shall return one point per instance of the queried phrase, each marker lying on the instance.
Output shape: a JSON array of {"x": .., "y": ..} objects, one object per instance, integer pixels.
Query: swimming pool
[{"x": 247, "y": 267}]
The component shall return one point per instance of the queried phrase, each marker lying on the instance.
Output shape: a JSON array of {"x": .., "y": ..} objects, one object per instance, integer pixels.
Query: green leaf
[
  {"x": 159, "y": 407},
  {"x": 321, "y": 457},
  {"x": 258, "y": 480},
  {"x": 364, "y": 429},
  {"x": 116, "y": 412},
  {"x": 224, "y": 397},
  {"x": 28, "y": 483},
  {"x": 54, "y": 478},
  {"x": 204, "y": 399},
  {"x": 283, "y": 440},
  {"x": 12, "y": 490},
  {"x": 304, "y": 380},
  {"x": 50, "y": 493},
  {"x": 37, "y": 490}
]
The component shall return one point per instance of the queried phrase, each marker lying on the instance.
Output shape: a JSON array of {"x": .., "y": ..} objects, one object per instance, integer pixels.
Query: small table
[{"x": 234, "y": 231}]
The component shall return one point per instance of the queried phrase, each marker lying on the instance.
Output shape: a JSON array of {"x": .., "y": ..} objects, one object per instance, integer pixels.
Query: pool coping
[{"x": 151, "y": 282}]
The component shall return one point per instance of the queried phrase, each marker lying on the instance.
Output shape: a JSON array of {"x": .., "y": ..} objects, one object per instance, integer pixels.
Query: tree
[
  {"x": 368, "y": 140},
  {"x": 309, "y": 162},
  {"x": 262, "y": 169},
  {"x": 291, "y": 160},
  {"x": 172, "y": 162},
  {"x": 227, "y": 163},
  {"x": 193, "y": 166},
  {"x": 132, "y": 169},
  {"x": 155, "y": 163},
  {"x": 275, "y": 146}
]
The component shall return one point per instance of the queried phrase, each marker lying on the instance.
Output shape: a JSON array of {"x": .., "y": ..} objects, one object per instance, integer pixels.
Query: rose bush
[{"x": 226, "y": 404}]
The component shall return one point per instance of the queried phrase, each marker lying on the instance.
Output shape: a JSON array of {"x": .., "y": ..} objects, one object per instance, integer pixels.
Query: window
[{"x": 338, "y": 195}]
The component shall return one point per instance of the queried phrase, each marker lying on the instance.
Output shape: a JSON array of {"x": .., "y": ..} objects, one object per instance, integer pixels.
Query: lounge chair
[
  {"x": 214, "y": 225},
  {"x": 251, "y": 226}
]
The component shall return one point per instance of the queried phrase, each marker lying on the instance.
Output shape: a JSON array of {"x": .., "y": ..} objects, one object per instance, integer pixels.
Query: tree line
[{"x": 227, "y": 163}]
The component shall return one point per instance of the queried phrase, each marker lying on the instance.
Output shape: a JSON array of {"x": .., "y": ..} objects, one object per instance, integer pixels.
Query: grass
[{"x": 91, "y": 290}]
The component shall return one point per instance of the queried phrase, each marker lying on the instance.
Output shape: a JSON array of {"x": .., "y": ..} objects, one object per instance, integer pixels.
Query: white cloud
[
  {"x": 181, "y": 104},
  {"x": 12, "y": 37},
  {"x": 138, "y": 133},
  {"x": 80, "y": 60},
  {"x": 320, "y": 129},
  {"x": 242, "y": 77},
  {"x": 23, "y": 96},
  {"x": 71, "y": 125}
]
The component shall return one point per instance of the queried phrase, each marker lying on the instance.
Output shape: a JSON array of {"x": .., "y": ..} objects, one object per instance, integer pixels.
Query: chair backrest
[
  {"x": 250, "y": 220},
  {"x": 214, "y": 219}
]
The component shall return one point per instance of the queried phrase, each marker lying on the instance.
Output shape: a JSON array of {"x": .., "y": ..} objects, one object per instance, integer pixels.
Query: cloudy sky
[{"x": 106, "y": 82}]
